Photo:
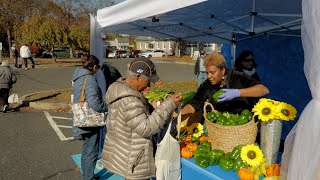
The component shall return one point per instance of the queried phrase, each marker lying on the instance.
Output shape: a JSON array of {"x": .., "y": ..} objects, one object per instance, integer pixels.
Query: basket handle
[{"x": 205, "y": 107}]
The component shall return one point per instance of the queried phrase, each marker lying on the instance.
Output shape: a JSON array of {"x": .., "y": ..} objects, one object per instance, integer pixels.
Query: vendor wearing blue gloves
[{"x": 236, "y": 86}]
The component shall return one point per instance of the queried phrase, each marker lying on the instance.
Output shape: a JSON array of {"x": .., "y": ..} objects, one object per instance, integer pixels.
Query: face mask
[{"x": 250, "y": 73}]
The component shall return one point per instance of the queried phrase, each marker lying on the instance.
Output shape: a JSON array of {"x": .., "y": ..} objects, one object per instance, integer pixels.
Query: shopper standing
[
  {"x": 26, "y": 54},
  {"x": 93, "y": 96}
]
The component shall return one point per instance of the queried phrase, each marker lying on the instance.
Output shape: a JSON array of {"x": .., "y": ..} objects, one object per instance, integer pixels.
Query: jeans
[
  {"x": 202, "y": 76},
  {"x": 89, "y": 156}
]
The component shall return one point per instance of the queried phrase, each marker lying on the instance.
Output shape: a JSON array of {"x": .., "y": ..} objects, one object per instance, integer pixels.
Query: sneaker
[
  {"x": 26, "y": 68},
  {"x": 5, "y": 108}
]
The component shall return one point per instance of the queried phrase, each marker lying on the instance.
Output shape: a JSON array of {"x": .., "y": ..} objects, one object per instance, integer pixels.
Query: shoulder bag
[{"x": 83, "y": 115}]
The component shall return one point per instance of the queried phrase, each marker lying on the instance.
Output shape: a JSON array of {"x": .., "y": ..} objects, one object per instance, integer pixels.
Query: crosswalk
[{"x": 57, "y": 127}]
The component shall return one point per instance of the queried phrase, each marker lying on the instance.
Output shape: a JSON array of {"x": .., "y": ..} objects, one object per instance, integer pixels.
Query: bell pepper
[
  {"x": 202, "y": 160},
  {"x": 227, "y": 155},
  {"x": 235, "y": 153},
  {"x": 216, "y": 95},
  {"x": 206, "y": 144},
  {"x": 225, "y": 163},
  {"x": 238, "y": 164},
  {"x": 194, "y": 139},
  {"x": 201, "y": 151},
  {"x": 215, "y": 156},
  {"x": 242, "y": 119}
]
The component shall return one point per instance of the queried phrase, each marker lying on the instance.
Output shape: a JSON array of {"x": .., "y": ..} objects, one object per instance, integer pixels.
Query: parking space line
[
  {"x": 61, "y": 126},
  {"x": 57, "y": 117},
  {"x": 56, "y": 127}
]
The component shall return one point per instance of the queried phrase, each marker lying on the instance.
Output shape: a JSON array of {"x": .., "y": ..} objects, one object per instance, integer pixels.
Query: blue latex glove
[{"x": 229, "y": 94}]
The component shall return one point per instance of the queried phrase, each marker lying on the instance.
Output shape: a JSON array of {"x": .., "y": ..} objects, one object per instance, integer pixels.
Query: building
[
  {"x": 121, "y": 43},
  {"x": 149, "y": 43}
]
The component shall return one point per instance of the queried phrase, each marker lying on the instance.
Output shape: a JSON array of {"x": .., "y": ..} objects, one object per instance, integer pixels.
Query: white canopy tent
[{"x": 220, "y": 21}]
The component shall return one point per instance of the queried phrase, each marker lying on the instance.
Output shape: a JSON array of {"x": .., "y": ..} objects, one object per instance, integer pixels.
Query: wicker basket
[{"x": 228, "y": 137}]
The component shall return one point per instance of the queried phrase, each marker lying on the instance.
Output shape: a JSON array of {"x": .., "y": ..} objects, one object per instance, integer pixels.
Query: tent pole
[
  {"x": 234, "y": 45},
  {"x": 252, "y": 16}
]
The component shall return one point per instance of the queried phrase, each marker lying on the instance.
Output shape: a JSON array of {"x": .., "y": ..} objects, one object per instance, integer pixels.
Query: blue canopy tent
[{"x": 271, "y": 28}]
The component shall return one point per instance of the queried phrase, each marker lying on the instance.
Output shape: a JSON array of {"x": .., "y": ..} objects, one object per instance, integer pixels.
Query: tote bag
[
  {"x": 83, "y": 115},
  {"x": 168, "y": 158}
]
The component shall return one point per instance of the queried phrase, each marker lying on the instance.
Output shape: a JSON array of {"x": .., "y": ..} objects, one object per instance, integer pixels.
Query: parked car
[
  {"x": 57, "y": 53},
  {"x": 125, "y": 55},
  {"x": 154, "y": 53},
  {"x": 112, "y": 54},
  {"x": 61, "y": 53},
  {"x": 135, "y": 53},
  {"x": 118, "y": 53}
]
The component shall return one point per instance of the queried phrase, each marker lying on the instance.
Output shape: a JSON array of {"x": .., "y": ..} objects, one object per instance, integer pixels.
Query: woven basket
[{"x": 228, "y": 137}]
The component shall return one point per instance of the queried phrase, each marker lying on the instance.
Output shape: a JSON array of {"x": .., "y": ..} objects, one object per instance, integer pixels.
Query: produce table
[{"x": 191, "y": 171}]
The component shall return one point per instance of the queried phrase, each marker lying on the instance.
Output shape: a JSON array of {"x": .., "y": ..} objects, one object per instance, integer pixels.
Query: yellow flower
[
  {"x": 286, "y": 111},
  {"x": 265, "y": 110},
  {"x": 199, "y": 131},
  {"x": 252, "y": 155}
]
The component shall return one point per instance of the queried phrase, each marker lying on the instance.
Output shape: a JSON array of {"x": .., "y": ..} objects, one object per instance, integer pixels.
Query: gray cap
[{"x": 145, "y": 67}]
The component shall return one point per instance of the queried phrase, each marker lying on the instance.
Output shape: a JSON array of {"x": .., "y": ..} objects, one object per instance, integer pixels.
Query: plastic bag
[{"x": 168, "y": 158}]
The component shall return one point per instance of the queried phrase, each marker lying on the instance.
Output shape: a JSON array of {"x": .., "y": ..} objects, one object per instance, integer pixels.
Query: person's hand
[
  {"x": 229, "y": 94},
  {"x": 155, "y": 103},
  {"x": 158, "y": 83},
  {"x": 177, "y": 98}
]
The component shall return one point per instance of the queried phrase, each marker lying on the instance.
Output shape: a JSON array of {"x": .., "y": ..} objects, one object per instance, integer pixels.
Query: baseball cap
[{"x": 145, "y": 67}]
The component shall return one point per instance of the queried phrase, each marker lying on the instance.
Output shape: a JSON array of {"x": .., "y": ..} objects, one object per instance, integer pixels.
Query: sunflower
[
  {"x": 265, "y": 110},
  {"x": 286, "y": 111},
  {"x": 199, "y": 131},
  {"x": 252, "y": 155}
]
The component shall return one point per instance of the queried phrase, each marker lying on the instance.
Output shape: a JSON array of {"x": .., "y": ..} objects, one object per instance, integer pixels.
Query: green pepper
[
  {"x": 243, "y": 119},
  {"x": 216, "y": 95},
  {"x": 206, "y": 144},
  {"x": 227, "y": 155},
  {"x": 219, "y": 122},
  {"x": 202, "y": 160},
  {"x": 186, "y": 98},
  {"x": 227, "y": 123},
  {"x": 201, "y": 151},
  {"x": 211, "y": 116},
  {"x": 247, "y": 113},
  {"x": 238, "y": 164},
  {"x": 215, "y": 156},
  {"x": 235, "y": 153},
  {"x": 225, "y": 163}
]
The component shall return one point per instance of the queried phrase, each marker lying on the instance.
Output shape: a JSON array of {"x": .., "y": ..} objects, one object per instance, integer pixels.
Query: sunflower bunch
[{"x": 268, "y": 109}]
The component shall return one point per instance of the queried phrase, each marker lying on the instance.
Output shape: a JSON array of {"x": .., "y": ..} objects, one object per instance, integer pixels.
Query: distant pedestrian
[
  {"x": 15, "y": 55},
  {"x": 26, "y": 54},
  {"x": 7, "y": 79},
  {"x": 199, "y": 69}
]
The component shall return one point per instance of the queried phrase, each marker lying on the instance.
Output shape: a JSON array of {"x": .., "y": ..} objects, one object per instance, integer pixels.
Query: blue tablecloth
[{"x": 191, "y": 171}]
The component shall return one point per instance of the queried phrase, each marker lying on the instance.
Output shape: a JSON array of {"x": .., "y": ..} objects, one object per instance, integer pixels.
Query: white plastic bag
[{"x": 167, "y": 158}]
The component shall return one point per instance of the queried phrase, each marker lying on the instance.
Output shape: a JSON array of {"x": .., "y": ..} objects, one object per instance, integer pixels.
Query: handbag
[
  {"x": 83, "y": 115},
  {"x": 168, "y": 158}
]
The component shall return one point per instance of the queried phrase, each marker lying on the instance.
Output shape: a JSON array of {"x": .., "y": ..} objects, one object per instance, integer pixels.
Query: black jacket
[{"x": 235, "y": 80}]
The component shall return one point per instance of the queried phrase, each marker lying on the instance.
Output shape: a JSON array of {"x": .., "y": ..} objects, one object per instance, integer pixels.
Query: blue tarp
[{"x": 280, "y": 62}]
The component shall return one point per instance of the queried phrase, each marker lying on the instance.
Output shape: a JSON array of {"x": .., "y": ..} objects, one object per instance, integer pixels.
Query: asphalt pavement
[{"x": 33, "y": 144}]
